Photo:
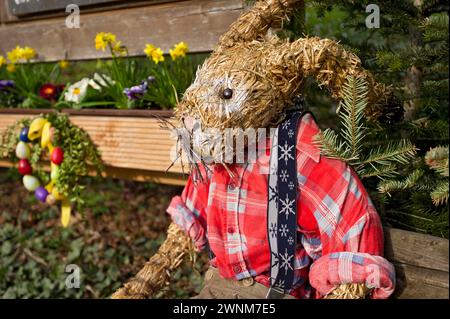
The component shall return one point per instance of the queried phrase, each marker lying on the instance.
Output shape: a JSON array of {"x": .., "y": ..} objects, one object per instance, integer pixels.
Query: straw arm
[
  {"x": 155, "y": 274},
  {"x": 349, "y": 291}
]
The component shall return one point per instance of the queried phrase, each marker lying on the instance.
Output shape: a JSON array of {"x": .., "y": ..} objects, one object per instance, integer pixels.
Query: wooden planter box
[
  {"x": 131, "y": 142},
  {"x": 134, "y": 147}
]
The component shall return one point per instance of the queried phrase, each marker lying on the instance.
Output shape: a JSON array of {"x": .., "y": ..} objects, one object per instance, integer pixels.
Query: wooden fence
[{"x": 197, "y": 22}]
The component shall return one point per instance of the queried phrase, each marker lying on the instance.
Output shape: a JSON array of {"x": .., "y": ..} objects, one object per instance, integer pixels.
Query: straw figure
[{"x": 249, "y": 81}]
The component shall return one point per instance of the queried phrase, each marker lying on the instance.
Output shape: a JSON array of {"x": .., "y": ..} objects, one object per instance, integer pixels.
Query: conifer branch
[{"x": 440, "y": 194}]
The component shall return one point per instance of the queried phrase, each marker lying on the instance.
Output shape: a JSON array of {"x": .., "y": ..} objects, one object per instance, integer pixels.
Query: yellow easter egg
[
  {"x": 45, "y": 135},
  {"x": 54, "y": 171},
  {"x": 65, "y": 212},
  {"x": 56, "y": 194},
  {"x": 36, "y": 127},
  {"x": 49, "y": 187}
]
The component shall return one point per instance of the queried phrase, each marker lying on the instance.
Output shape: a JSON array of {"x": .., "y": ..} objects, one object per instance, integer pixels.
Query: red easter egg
[
  {"x": 24, "y": 167},
  {"x": 57, "y": 155}
]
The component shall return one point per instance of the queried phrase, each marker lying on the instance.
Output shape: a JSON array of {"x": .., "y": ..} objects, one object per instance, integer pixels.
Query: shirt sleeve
[
  {"x": 349, "y": 232},
  {"x": 188, "y": 211}
]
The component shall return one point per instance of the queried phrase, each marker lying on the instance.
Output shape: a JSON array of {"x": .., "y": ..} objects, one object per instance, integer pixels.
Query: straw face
[
  {"x": 252, "y": 78},
  {"x": 236, "y": 89}
]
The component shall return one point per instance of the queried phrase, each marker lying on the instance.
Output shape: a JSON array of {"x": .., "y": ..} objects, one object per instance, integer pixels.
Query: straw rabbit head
[{"x": 250, "y": 79}]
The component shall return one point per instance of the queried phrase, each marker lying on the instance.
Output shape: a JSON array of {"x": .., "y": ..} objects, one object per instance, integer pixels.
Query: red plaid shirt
[{"x": 340, "y": 236}]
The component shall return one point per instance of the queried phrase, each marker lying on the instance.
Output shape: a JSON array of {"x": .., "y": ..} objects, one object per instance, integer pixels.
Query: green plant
[
  {"x": 28, "y": 77},
  {"x": 171, "y": 78},
  {"x": 355, "y": 145},
  {"x": 107, "y": 243}
]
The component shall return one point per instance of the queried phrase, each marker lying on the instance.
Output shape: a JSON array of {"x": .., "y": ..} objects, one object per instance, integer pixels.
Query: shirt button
[
  {"x": 231, "y": 230},
  {"x": 231, "y": 187},
  {"x": 237, "y": 269}
]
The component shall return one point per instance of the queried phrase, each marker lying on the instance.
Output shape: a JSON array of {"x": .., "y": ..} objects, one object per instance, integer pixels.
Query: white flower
[
  {"x": 94, "y": 85},
  {"x": 101, "y": 80},
  {"x": 77, "y": 91}
]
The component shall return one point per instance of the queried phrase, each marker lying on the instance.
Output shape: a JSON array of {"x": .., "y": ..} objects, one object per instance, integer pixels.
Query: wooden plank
[
  {"x": 420, "y": 283},
  {"x": 24, "y": 7},
  {"x": 140, "y": 175},
  {"x": 93, "y": 112},
  {"x": 133, "y": 143},
  {"x": 159, "y": 177},
  {"x": 421, "y": 264},
  {"x": 197, "y": 22},
  {"x": 417, "y": 249},
  {"x": 7, "y": 17}
]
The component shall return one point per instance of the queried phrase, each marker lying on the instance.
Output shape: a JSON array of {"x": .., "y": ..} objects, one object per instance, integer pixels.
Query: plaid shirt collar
[{"x": 305, "y": 139}]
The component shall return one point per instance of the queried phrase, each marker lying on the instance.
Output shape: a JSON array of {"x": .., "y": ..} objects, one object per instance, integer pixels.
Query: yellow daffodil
[
  {"x": 119, "y": 49},
  {"x": 11, "y": 68},
  {"x": 63, "y": 64},
  {"x": 28, "y": 53},
  {"x": 20, "y": 53},
  {"x": 156, "y": 54},
  {"x": 149, "y": 48},
  {"x": 15, "y": 54},
  {"x": 179, "y": 50},
  {"x": 2, "y": 60},
  {"x": 103, "y": 39}
]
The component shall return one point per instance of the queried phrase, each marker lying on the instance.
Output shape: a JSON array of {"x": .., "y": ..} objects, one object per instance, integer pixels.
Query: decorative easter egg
[
  {"x": 51, "y": 200},
  {"x": 30, "y": 182},
  {"x": 22, "y": 150},
  {"x": 49, "y": 187},
  {"x": 24, "y": 167},
  {"x": 24, "y": 135},
  {"x": 56, "y": 194},
  {"x": 41, "y": 194},
  {"x": 57, "y": 155},
  {"x": 54, "y": 172},
  {"x": 36, "y": 127},
  {"x": 45, "y": 136}
]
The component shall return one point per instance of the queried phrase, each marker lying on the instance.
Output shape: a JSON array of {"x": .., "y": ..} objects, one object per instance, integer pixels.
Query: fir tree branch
[
  {"x": 352, "y": 114},
  {"x": 380, "y": 171},
  {"x": 440, "y": 194},
  {"x": 331, "y": 145},
  {"x": 437, "y": 159},
  {"x": 389, "y": 186},
  {"x": 401, "y": 152}
]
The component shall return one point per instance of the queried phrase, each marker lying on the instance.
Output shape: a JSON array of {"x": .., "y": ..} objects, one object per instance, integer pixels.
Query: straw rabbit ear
[
  {"x": 255, "y": 22},
  {"x": 330, "y": 64}
]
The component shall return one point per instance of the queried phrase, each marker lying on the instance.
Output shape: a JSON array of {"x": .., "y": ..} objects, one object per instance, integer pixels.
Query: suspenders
[{"x": 282, "y": 206}]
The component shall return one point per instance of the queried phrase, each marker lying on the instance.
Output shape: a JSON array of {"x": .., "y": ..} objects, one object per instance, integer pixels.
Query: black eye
[{"x": 227, "y": 93}]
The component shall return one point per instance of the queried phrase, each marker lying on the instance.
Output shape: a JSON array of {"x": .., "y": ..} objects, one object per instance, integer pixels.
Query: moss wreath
[{"x": 71, "y": 153}]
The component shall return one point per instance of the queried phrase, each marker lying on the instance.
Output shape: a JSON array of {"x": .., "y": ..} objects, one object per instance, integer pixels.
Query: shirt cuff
[
  {"x": 334, "y": 269},
  {"x": 187, "y": 221}
]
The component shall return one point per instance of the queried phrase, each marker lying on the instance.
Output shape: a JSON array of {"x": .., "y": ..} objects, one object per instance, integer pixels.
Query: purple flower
[
  {"x": 136, "y": 92},
  {"x": 6, "y": 85}
]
